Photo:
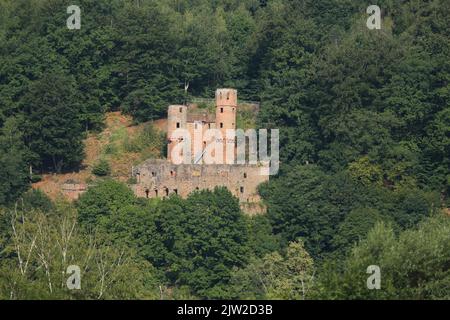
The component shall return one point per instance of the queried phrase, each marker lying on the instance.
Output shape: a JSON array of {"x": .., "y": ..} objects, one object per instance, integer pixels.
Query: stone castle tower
[
  {"x": 226, "y": 109},
  {"x": 176, "y": 119},
  {"x": 180, "y": 117}
]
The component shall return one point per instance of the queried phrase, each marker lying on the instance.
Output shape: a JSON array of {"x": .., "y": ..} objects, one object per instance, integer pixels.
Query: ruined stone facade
[
  {"x": 198, "y": 121},
  {"x": 160, "y": 178},
  {"x": 73, "y": 189}
]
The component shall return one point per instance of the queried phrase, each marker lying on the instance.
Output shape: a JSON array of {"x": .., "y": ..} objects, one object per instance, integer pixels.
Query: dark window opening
[
  {"x": 221, "y": 110},
  {"x": 153, "y": 174},
  {"x": 245, "y": 175},
  {"x": 156, "y": 192},
  {"x": 147, "y": 193},
  {"x": 178, "y": 124},
  {"x": 172, "y": 173},
  {"x": 175, "y": 190},
  {"x": 166, "y": 190},
  {"x": 221, "y": 124},
  {"x": 242, "y": 189}
]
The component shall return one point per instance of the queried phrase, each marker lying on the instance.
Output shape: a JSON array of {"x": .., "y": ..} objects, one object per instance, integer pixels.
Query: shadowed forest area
[{"x": 364, "y": 119}]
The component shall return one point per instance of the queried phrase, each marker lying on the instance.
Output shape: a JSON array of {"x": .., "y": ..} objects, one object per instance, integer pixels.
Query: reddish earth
[
  {"x": 161, "y": 124},
  {"x": 95, "y": 145}
]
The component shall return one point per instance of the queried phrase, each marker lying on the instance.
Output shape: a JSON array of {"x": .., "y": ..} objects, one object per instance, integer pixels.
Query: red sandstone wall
[{"x": 162, "y": 178}]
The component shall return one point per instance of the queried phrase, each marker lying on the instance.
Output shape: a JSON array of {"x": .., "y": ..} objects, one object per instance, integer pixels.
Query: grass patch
[
  {"x": 245, "y": 119},
  {"x": 102, "y": 168},
  {"x": 149, "y": 142},
  {"x": 114, "y": 147}
]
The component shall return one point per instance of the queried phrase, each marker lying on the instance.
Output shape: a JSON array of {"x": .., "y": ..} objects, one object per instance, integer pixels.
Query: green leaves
[
  {"x": 413, "y": 265},
  {"x": 52, "y": 130},
  {"x": 194, "y": 242},
  {"x": 103, "y": 200},
  {"x": 41, "y": 245},
  {"x": 363, "y": 118},
  {"x": 101, "y": 168},
  {"x": 13, "y": 167},
  {"x": 276, "y": 276},
  {"x": 206, "y": 237}
]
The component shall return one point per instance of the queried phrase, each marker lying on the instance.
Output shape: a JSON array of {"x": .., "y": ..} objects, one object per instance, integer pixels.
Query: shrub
[
  {"x": 149, "y": 139},
  {"x": 101, "y": 168},
  {"x": 36, "y": 199},
  {"x": 35, "y": 178}
]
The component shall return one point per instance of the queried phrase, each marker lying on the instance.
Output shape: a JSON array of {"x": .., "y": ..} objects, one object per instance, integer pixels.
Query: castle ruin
[{"x": 161, "y": 178}]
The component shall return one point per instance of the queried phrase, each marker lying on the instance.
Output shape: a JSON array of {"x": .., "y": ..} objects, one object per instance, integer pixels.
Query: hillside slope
[{"x": 116, "y": 144}]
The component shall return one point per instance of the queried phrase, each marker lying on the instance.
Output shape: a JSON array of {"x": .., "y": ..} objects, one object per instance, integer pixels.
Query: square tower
[{"x": 176, "y": 119}]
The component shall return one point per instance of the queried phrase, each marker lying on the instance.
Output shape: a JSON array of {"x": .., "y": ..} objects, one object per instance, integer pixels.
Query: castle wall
[
  {"x": 159, "y": 178},
  {"x": 73, "y": 190}
]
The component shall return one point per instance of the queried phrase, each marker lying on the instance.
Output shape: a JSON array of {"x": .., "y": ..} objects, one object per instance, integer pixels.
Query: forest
[{"x": 364, "y": 120}]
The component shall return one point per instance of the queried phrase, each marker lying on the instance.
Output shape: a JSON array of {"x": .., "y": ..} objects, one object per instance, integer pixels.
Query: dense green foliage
[
  {"x": 38, "y": 246},
  {"x": 275, "y": 276},
  {"x": 195, "y": 242},
  {"x": 101, "y": 168},
  {"x": 364, "y": 119},
  {"x": 413, "y": 265},
  {"x": 13, "y": 166},
  {"x": 332, "y": 211}
]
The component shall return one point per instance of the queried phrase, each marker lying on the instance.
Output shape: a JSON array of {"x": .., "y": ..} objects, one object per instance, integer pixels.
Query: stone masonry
[{"x": 160, "y": 178}]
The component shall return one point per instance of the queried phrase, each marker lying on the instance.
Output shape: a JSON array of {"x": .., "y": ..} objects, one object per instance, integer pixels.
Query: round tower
[
  {"x": 226, "y": 105},
  {"x": 226, "y": 109},
  {"x": 176, "y": 119}
]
